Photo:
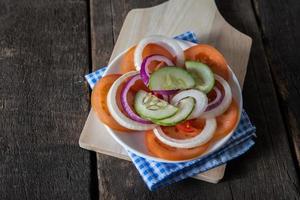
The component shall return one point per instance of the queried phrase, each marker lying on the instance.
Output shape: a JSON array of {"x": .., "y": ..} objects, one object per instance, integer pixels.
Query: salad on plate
[{"x": 180, "y": 98}]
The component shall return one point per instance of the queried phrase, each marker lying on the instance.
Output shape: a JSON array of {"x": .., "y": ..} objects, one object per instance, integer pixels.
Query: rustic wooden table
[{"x": 47, "y": 46}]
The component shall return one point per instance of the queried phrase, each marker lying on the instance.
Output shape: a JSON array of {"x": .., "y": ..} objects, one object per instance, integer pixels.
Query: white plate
[{"x": 135, "y": 141}]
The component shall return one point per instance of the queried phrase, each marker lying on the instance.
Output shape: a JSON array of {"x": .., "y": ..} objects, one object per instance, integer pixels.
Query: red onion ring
[
  {"x": 166, "y": 98},
  {"x": 146, "y": 62},
  {"x": 219, "y": 98},
  {"x": 225, "y": 103},
  {"x": 125, "y": 104},
  {"x": 162, "y": 96},
  {"x": 165, "y": 92}
]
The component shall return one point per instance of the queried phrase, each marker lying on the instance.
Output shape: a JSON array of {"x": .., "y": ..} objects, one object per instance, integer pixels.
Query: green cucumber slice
[
  {"x": 202, "y": 74},
  {"x": 186, "y": 106},
  {"x": 171, "y": 78},
  {"x": 150, "y": 107}
]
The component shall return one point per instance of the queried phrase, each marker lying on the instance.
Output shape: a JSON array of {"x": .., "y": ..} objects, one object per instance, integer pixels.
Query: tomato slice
[
  {"x": 164, "y": 151},
  {"x": 139, "y": 85},
  {"x": 188, "y": 128},
  {"x": 191, "y": 127},
  {"x": 127, "y": 62},
  {"x": 99, "y": 102},
  {"x": 210, "y": 56},
  {"x": 176, "y": 133},
  {"x": 227, "y": 121},
  {"x": 152, "y": 49}
]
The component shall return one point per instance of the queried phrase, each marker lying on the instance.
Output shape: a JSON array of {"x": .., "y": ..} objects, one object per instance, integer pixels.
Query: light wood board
[{"x": 173, "y": 18}]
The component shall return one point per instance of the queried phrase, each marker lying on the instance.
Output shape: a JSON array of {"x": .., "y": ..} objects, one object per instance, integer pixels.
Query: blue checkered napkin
[{"x": 157, "y": 174}]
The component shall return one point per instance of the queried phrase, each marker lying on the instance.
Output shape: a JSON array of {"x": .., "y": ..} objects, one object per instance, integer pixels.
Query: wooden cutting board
[{"x": 173, "y": 18}]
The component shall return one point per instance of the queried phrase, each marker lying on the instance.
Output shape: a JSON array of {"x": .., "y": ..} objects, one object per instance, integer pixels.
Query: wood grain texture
[
  {"x": 280, "y": 31},
  {"x": 267, "y": 171},
  {"x": 43, "y": 100}
]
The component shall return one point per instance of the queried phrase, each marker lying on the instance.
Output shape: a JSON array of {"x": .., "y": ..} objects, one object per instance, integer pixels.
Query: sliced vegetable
[
  {"x": 99, "y": 102},
  {"x": 145, "y": 71},
  {"x": 151, "y": 107},
  {"x": 227, "y": 121},
  {"x": 127, "y": 63},
  {"x": 169, "y": 44},
  {"x": 185, "y": 108},
  {"x": 210, "y": 56},
  {"x": 171, "y": 78},
  {"x": 162, "y": 96},
  {"x": 121, "y": 118},
  {"x": 165, "y": 92},
  {"x": 185, "y": 127},
  {"x": 200, "y": 99},
  {"x": 156, "y": 49},
  {"x": 125, "y": 103},
  {"x": 188, "y": 128},
  {"x": 225, "y": 103},
  {"x": 202, "y": 74},
  {"x": 204, "y": 136},
  {"x": 164, "y": 151},
  {"x": 217, "y": 99}
]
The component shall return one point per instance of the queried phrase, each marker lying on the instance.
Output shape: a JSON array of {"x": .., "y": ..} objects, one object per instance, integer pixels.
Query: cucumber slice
[
  {"x": 171, "y": 78},
  {"x": 186, "y": 106},
  {"x": 202, "y": 74},
  {"x": 150, "y": 107}
]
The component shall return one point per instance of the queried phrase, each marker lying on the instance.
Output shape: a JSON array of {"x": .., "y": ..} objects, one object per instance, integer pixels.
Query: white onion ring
[
  {"x": 169, "y": 44},
  {"x": 222, "y": 107},
  {"x": 204, "y": 136},
  {"x": 114, "y": 110},
  {"x": 200, "y": 99}
]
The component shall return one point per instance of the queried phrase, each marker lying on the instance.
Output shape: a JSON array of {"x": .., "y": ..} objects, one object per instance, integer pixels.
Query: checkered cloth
[{"x": 157, "y": 174}]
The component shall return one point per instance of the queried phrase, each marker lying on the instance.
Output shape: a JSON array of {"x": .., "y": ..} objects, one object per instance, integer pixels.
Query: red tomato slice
[
  {"x": 139, "y": 85},
  {"x": 164, "y": 151},
  {"x": 191, "y": 127},
  {"x": 186, "y": 126},
  {"x": 210, "y": 56},
  {"x": 227, "y": 121},
  {"x": 127, "y": 62},
  {"x": 99, "y": 102}
]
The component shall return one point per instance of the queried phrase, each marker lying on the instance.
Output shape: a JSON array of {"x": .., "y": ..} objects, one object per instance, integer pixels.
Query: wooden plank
[
  {"x": 267, "y": 171},
  {"x": 43, "y": 100},
  {"x": 281, "y": 33}
]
